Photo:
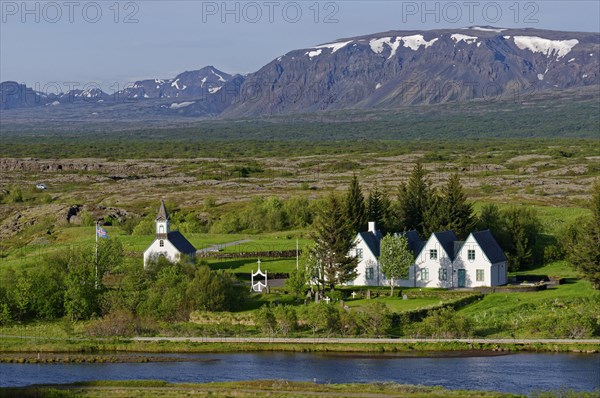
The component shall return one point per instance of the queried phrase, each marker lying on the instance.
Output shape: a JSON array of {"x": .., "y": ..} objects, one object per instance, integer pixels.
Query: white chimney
[{"x": 372, "y": 227}]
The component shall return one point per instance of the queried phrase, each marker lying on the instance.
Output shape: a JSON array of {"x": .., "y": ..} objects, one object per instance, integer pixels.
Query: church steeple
[{"x": 162, "y": 222}]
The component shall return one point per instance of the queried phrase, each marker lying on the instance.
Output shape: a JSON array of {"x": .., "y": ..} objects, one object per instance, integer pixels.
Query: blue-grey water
[{"x": 516, "y": 373}]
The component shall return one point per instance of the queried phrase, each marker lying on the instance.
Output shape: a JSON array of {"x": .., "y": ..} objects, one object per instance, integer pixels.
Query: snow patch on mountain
[
  {"x": 377, "y": 45},
  {"x": 482, "y": 29},
  {"x": 221, "y": 79},
  {"x": 312, "y": 54},
  {"x": 333, "y": 46},
  {"x": 558, "y": 48},
  {"x": 416, "y": 41},
  {"x": 176, "y": 105},
  {"x": 457, "y": 37}
]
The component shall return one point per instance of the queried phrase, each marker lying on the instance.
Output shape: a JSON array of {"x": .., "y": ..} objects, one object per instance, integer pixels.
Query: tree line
[{"x": 73, "y": 284}]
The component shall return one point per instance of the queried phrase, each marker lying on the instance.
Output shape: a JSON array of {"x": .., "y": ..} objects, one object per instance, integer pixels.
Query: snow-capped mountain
[
  {"x": 383, "y": 70},
  {"x": 191, "y": 84},
  {"x": 421, "y": 67}
]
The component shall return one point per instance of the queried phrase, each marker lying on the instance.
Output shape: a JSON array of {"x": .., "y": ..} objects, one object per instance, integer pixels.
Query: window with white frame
[
  {"x": 443, "y": 274},
  {"x": 471, "y": 255},
  {"x": 433, "y": 254},
  {"x": 369, "y": 273},
  {"x": 479, "y": 275},
  {"x": 425, "y": 274},
  {"x": 359, "y": 253}
]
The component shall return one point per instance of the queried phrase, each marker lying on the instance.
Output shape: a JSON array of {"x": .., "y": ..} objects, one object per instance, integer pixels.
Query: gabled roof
[
  {"x": 162, "y": 213},
  {"x": 489, "y": 246},
  {"x": 372, "y": 241},
  {"x": 181, "y": 243},
  {"x": 457, "y": 246},
  {"x": 447, "y": 239},
  {"x": 415, "y": 243}
]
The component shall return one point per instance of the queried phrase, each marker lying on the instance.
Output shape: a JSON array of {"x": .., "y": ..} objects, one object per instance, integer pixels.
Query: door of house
[{"x": 462, "y": 277}]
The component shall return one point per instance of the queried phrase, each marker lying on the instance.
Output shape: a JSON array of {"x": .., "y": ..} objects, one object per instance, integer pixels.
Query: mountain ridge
[{"x": 379, "y": 70}]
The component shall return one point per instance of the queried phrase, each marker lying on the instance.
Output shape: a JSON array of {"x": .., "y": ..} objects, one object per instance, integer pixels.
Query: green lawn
[
  {"x": 557, "y": 268},
  {"x": 552, "y": 218},
  {"x": 247, "y": 265},
  {"x": 396, "y": 304},
  {"x": 519, "y": 314}
]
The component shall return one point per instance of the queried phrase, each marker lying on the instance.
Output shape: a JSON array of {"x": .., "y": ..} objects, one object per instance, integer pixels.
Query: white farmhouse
[
  {"x": 170, "y": 244},
  {"x": 433, "y": 265},
  {"x": 443, "y": 261},
  {"x": 367, "y": 249},
  {"x": 480, "y": 261}
]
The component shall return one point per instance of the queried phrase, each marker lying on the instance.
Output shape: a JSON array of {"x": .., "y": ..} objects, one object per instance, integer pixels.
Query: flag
[{"x": 101, "y": 232}]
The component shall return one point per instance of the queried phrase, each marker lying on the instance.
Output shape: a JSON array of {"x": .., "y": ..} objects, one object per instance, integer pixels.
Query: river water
[{"x": 516, "y": 373}]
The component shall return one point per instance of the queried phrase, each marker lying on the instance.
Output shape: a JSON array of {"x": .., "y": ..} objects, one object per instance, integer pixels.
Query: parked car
[{"x": 41, "y": 186}]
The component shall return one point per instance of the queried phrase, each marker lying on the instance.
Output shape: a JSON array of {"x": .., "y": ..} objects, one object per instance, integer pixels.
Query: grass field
[{"x": 249, "y": 389}]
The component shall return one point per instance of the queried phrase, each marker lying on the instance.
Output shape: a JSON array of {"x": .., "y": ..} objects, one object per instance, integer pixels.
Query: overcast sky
[{"x": 113, "y": 43}]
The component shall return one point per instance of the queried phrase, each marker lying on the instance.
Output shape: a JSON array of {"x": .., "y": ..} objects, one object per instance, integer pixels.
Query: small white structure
[
  {"x": 169, "y": 244},
  {"x": 259, "y": 286},
  {"x": 41, "y": 186},
  {"x": 443, "y": 261}
]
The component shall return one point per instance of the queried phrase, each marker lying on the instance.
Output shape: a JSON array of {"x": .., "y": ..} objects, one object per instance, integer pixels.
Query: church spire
[
  {"x": 162, "y": 213},
  {"x": 162, "y": 222}
]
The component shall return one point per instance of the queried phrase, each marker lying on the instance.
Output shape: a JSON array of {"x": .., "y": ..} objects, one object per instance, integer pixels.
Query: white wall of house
[
  {"x": 479, "y": 271},
  {"x": 428, "y": 263},
  {"x": 366, "y": 260},
  {"x": 433, "y": 267},
  {"x": 167, "y": 250}
]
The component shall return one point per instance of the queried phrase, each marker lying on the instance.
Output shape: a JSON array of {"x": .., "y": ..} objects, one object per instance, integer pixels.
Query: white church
[
  {"x": 442, "y": 261},
  {"x": 170, "y": 244}
]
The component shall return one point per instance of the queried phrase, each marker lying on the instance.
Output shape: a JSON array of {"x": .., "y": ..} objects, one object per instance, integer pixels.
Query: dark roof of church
[
  {"x": 162, "y": 212},
  {"x": 490, "y": 246},
  {"x": 181, "y": 243}
]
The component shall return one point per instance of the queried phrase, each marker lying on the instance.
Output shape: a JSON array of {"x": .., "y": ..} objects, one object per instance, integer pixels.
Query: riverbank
[
  {"x": 18, "y": 349},
  {"x": 247, "y": 389}
]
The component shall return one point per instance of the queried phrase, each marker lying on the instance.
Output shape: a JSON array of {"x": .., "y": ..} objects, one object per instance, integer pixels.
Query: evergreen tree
[
  {"x": 433, "y": 217},
  {"x": 333, "y": 243},
  {"x": 389, "y": 222},
  {"x": 376, "y": 206},
  {"x": 490, "y": 218},
  {"x": 521, "y": 228},
  {"x": 356, "y": 212},
  {"x": 453, "y": 211},
  {"x": 586, "y": 252},
  {"x": 414, "y": 199}
]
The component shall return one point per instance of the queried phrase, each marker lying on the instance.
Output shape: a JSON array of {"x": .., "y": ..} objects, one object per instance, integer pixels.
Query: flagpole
[
  {"x": 96, "y": 263},
  {"x": 296, "y": 254}
]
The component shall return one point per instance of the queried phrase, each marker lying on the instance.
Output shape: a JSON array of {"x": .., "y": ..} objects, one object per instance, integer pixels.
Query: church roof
[
  {"x": 162, "y": 212},
  {"x": 181, "y": 243}
]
